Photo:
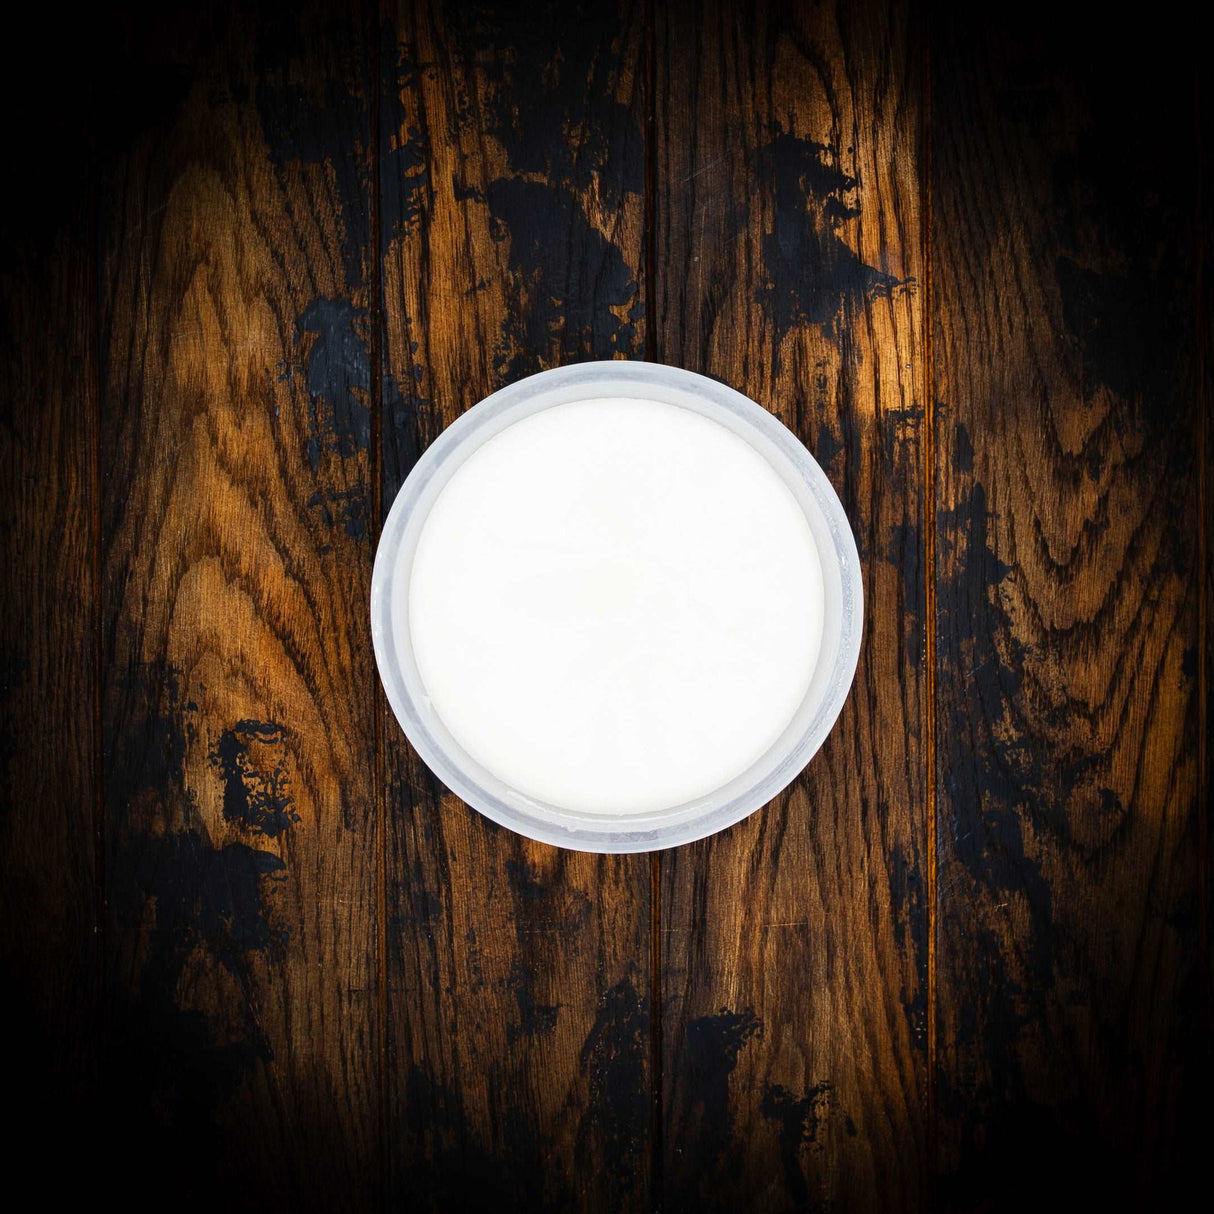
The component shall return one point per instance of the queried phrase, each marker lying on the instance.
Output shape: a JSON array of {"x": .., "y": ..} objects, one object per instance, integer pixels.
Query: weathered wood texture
[
  {"x": 238, "y": 680},
  {"x": 260, "y": 257},
  {"x": 1068, "y": 539},
  {"x": 794, "y": 946},
  {"x": 512, "y": 179}
]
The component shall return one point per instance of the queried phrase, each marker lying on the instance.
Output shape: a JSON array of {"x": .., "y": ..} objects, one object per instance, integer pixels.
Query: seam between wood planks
[
  {"x": 929, "y": 575},
  {"x": 655, "y": 858},
  {"x": 374, "y": 272},
  {"x": 93, "y": 261}
]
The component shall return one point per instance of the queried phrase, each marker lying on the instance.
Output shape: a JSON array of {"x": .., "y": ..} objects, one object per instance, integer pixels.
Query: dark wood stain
[
  {"x": 512, "y": 181},
  {"x": 1068, "y": 601},
  {"x": 256, "y": 257},
  {"x": 788, "y": 263},
  {"x": 237, "y": 679}
]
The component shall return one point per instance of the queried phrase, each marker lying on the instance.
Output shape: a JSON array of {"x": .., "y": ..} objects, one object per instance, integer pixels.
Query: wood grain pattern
[
  {"x": 794, "y": 945},
  {"x": 512, "y": 200},
  {"x": 50, "y": 959},
  {"x": 240, "y": 811},
  {"x": 256, "y": 257},
  {"x": 1068, "y": 591}
]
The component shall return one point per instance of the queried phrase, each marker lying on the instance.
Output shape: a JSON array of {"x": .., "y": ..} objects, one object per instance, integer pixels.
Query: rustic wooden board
[
  {"x": 257, "y": 955},
  {"x": 50, "y": 959},
  {"x": 511, "y": 225},
  {"x": 1068, "y": 610},
  {"x": 794, "y": 946},
  {"x": 240, "y": 820}
]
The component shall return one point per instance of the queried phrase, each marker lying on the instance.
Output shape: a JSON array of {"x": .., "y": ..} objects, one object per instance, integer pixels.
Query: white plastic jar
[{"x": 616, "y": 606}]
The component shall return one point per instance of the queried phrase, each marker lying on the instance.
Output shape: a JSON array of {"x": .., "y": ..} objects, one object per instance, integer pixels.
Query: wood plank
[
  {"x": 795, "y": 944},
  {"x": 50, "y": 956},
  {"x": 241, "y": 828},
  {"x": 512, "y": 229},
  {"x": 1068, "y": 610}
]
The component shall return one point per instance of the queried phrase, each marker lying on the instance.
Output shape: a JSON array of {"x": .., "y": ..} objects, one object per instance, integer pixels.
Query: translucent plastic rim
[{"x": 741, "y": 796}]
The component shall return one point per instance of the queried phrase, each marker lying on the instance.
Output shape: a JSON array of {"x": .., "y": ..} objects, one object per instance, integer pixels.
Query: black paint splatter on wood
[
  {"x": 526, "y": 882},
  {"x": 350, "y": 506},
  {"x": 569, "y": 278},
  {"x": 799, "y": 1118},
  {"x": 813, "y": 276},
  {"x": 905, "y": 552},
  {"x": 417, "y": 905},
  {"x": 613, "y": 1059},
  {"x": 334, "y": 355},
  {"x": 534, "y": 1019},
  {"x": 197, "y": 904},
  {"x": 713, "y": 1046},
  {"x": 1006, "y": 792},
  {"x": 401, "y": 433},
  {"x": 908, "y": 904},
  {"x": 334, "y": 352},
  {"x": 991, "y": 768},
  {"x": 827, "y": 447},
  {"x": 251, "y": 760},
  {"x": 548, "y": 900},
  {"x": 704, "y": 1062},
  {"x": 551, "y": 82},
  {"x": 548, "y": 97},
  {"x": 403, "y": 153}
]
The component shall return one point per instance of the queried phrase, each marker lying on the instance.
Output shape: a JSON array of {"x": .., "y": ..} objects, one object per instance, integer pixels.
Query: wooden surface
[
  {"x": 256, "y": 956},
  {"x": 517, "y": 974},
  {"x": 794, "y": 978},
  {"x": 1069, "y": 551},
  {"x": 240, "y": 811}
]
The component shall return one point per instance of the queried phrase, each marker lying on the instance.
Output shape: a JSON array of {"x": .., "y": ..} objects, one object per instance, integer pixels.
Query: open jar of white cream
[{"x": 616, "y": 606}]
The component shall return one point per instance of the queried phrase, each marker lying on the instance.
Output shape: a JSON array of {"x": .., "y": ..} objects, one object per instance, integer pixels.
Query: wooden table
[{"x": 257, "y": 956}]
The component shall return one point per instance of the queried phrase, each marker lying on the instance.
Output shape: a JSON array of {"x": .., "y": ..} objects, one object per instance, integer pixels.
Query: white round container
[{"x": 675, "y": 824}]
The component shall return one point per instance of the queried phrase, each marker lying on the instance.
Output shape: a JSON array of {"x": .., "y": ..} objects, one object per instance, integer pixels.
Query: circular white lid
[{"x": 598, "y": 829}]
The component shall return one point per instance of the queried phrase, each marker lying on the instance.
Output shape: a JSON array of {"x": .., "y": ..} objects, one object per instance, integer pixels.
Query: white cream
[{"x": 615, "y": 605}]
